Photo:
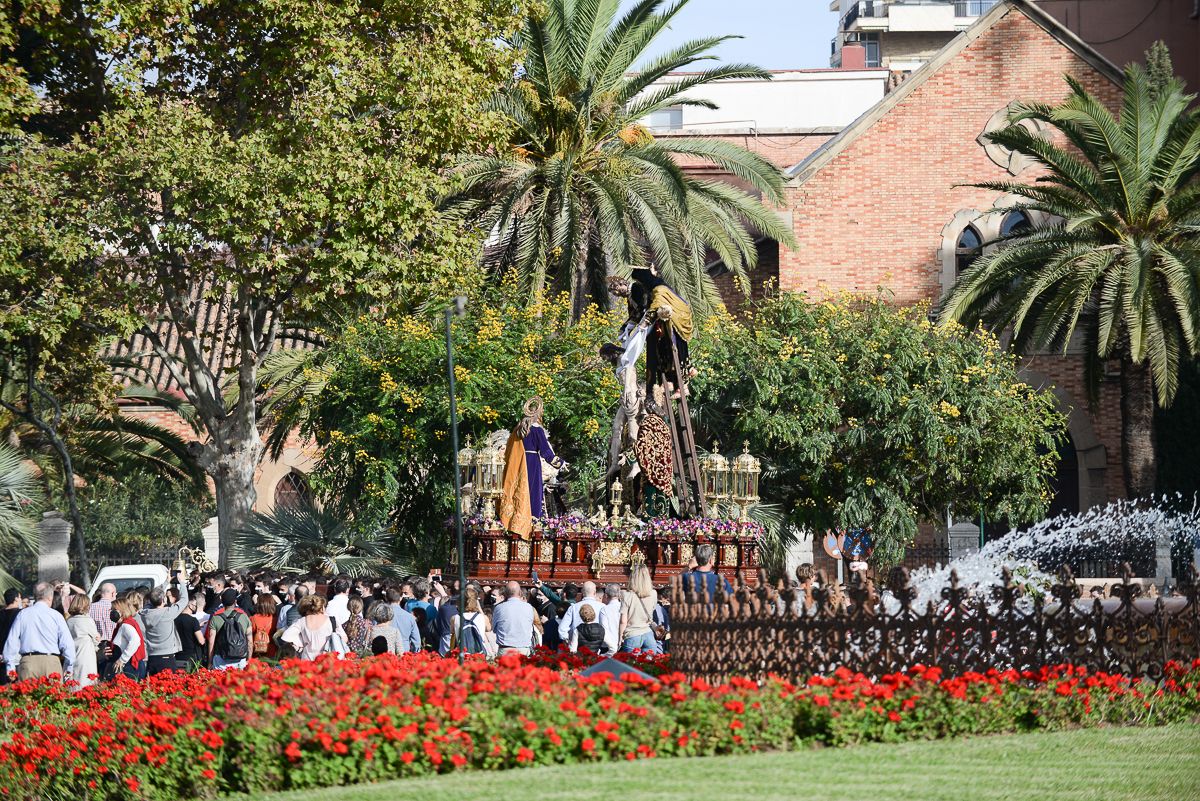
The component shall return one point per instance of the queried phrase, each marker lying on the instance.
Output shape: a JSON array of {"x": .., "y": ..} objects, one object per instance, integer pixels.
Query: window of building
[
  {"x": 292, "y": 491},
  {"x": 667, "y": 119},
  {"x": 1014, "y": 222},
  {"x": 967, "y": 250},
  {"x": 869, "y": 40}
]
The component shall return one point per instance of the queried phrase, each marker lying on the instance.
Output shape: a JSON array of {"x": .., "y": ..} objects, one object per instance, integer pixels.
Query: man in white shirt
[
  {"x": 571, "y": 620},
  {"x": 337, "y": 606},
  {"x": 611, "y": 616}
]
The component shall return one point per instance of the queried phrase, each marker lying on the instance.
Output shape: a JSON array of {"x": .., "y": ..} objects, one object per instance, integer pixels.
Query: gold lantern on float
[
  {"x": 745, "y": 472},
  {"x": 714, "y": 474},
  {"x": 617, "y": 491},
  {"x": 466, "y": 464},
  {"x": 489, "y": 470}
]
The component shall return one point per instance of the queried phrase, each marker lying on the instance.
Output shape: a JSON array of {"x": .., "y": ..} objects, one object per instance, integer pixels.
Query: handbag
[{"x": 334, "y": 644}]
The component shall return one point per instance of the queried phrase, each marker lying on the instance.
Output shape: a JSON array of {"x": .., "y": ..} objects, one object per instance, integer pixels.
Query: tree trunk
[
  {"x": 1137, "y": 430},
  {"x": 232, "y": 473},
  {"x": 64, "y": 456}
]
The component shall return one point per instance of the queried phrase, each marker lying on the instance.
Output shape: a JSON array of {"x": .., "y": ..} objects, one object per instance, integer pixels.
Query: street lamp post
[{"x": 458, "y": 309}]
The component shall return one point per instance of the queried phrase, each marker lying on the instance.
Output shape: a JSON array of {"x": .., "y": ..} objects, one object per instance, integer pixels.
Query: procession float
[{"x": 661, "y": 497}]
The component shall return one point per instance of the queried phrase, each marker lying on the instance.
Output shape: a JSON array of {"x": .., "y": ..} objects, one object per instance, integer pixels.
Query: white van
[{"x": 126, "y": 577}]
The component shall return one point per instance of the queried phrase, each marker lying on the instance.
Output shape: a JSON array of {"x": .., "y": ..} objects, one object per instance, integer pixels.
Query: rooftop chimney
[{"x": 854, "y": 57}]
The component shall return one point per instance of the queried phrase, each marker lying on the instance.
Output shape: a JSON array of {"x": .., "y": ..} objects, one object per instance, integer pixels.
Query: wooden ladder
[{"x": 687, "y": 464}]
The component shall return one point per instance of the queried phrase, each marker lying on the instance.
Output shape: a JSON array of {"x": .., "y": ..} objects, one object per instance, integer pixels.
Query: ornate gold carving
[
  {"x": 545, "y": 551},
  {"x": 522, "y": 550},
  {"x": 729, "y": 556},
  {"x": 611, "y": 553},
  {"x": 501, "y": 550},
  {"x": 568, "y": 552},
  {"x": 685, "y": 552}
]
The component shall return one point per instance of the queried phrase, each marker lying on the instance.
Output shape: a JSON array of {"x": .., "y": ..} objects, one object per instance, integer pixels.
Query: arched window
[
  {"x": 967, "y": 249},
  {"x": 292, "y": 490},
  {"x": 1014, "y": 222}
]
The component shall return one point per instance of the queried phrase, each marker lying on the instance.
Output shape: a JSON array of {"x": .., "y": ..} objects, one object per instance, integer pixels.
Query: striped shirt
[{"x": 100, "y": 612}]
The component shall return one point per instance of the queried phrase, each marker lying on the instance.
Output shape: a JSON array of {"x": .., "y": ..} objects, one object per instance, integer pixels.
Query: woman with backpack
[
  {"x": 263, "y": 625},
  {"x": 472, "y": 629},
  {"x": 314, "y": 632}
]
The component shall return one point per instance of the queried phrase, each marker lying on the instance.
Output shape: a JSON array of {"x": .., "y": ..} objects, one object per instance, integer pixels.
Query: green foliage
[
  {"x": 865, "y": 414},
  {"x": 307, "y": 538},
  {"x": 584, "y": 190},
  {"x": 20, "y": 501},
  {"x": 380, "y": 408},
  {"x": 1119, "y": 257},
  {"x": 1159, "y": 69},
  {"x": 264, "y": 158},
  {"x": 141, "y": 510}
]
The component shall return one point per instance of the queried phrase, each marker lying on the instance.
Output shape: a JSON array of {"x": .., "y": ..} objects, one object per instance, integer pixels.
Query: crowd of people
[{"x": 223, "y": 620}]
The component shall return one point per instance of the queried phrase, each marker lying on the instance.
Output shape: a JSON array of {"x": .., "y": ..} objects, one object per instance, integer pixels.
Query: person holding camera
[{"x": 158, "y": 625}]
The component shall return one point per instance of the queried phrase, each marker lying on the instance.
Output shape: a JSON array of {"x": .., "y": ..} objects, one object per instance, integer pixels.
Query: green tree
[
  {"x": 1118, "y": 259},
  {"x": 584, "y": 189},
  {"x": 141, "y": 510},
  {"x": 1159, "y": 69},
  {"x": 865, "y": 414},
  {"x": 376, "y": 401},
  {"x": 242, "y": 163},
  {"x": 308, "y": 538},
  {"x": 20, "y": 500}
]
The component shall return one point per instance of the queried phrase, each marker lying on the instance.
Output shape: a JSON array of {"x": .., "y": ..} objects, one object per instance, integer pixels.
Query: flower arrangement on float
[{"x": 574, "y": 526}]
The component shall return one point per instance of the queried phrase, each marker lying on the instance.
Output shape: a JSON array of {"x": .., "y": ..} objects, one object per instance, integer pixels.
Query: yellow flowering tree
[
  {"x": 868, "y": 414},
  {"x": 382, "y": 415}
]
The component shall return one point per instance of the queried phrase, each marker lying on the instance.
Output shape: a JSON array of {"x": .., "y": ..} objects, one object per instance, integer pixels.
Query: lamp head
[{"x": 459, "y": 307}]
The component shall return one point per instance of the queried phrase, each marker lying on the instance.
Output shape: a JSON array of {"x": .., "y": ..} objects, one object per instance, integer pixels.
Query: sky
[{"x": 778, "y": 34}]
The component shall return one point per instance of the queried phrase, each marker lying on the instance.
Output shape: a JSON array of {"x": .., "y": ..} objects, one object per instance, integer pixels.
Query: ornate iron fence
[
  {"x": 159, "y": 555},
  {"x": 781, "y": 631}
]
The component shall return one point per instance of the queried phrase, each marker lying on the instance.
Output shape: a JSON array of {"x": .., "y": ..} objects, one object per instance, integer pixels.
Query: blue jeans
[
  {"x": 220, "y": 663},
  {"x": 641, "y": 642}
]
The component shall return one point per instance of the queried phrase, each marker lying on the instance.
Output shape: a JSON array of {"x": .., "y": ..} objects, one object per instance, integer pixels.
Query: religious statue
[
  {"x": 623, "y": 356},
  {"x": 671, "y": 328},
  {"x": 656, "y": 457},
  {"x": 522, "y": 497}
]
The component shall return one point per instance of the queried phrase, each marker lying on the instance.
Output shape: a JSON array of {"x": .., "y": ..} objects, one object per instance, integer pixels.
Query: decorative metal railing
[{"x": 785, "y": 632}]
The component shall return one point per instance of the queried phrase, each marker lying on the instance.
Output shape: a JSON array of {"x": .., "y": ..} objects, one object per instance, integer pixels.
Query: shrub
[{"x": 333, "y": 722}]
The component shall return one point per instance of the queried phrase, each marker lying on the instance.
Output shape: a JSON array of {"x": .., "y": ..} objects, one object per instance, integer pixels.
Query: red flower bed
[{"x": 338, "y": 722}]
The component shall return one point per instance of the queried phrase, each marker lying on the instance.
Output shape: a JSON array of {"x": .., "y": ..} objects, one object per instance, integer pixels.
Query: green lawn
[{"x": 1089, "y": 765}]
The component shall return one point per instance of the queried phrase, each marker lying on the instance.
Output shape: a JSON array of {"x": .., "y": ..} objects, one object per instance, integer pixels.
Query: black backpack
[
  {"x": 470, "y": 639},
  {"x": 232, "y": 643}
]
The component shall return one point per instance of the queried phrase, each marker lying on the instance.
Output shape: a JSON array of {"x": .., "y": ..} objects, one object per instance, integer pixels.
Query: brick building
[{"x": 883, "y": 202}]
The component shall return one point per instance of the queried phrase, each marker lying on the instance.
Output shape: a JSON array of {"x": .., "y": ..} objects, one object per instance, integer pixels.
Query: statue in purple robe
[{"x": 523, "y": 494}]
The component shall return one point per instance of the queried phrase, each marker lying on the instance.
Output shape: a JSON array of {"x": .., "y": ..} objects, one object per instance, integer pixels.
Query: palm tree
[
  {"x": 309, "y": 538},
  {"x": 1120, "y": 257},
  {"x": 20, "y": 500},
  {"x": 583, "y": 189}
]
